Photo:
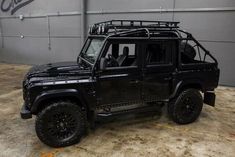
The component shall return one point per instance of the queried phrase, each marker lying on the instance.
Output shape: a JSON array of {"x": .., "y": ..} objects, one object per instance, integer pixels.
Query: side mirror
[{"x": 103, "y": 63}]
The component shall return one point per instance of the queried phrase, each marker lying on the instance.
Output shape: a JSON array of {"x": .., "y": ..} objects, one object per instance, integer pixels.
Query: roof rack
[{"x": 104, "y": 27}]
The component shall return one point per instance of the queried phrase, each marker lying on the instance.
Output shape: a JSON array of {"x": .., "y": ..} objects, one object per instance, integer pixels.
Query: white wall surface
[{"x": 210, "y": 21}]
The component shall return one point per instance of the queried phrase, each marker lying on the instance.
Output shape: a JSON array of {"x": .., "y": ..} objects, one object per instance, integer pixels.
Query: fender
[
  {"x": 56, "y": 94},
  {"x": 184, "y": 83}
]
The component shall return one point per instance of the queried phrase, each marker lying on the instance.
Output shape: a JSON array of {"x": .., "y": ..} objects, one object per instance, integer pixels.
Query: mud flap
[{"x": 209, "y": 98}]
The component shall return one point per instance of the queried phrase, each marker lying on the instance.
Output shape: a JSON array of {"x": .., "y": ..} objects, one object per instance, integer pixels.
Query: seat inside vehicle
[{"x": 123, "y": 57}]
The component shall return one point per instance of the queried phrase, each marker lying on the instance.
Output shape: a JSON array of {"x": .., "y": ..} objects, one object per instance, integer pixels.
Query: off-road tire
[
  {"x": 61, "y": 124},
  {"x": 186, "y": 107}
]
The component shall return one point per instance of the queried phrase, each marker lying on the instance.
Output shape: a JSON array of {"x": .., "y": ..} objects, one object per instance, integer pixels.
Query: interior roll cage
[{"x": 141, "y": 29}]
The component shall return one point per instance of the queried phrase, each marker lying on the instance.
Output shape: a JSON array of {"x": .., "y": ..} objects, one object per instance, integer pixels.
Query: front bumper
[{"x": 25, "y": 112}]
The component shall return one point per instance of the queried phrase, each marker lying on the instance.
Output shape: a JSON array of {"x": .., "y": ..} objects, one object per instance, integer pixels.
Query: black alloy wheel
[
  {"x": 186, "y": 107},
  {"x": 61, "y": 124}
]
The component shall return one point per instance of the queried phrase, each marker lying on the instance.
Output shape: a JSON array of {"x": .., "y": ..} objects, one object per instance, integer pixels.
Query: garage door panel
[
  {"x": 65, "y": 26},
  {"x": 224, "y": 53},
  {"x": 47, "y": 6},
  {"x": 128, "y": 5},
  {"x": 209, "y": 25},
  {"x": 65, "y": 49},
  {"x": 33, "y": 27},
  {"x": 204, "y": 3},
  {"x": 16, "y": 51}
]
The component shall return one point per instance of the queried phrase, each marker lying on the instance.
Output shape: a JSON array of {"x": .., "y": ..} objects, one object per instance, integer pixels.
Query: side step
[{"x": 135, "y": 110}]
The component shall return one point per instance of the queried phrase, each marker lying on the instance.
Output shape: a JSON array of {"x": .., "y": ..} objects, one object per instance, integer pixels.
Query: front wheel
[
  {"x": 187, "y": 107},
  {"x": 60, "y": 124}
]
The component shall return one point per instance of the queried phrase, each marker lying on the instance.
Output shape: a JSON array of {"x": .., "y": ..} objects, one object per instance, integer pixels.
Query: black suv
[{"x": 125, "y": 66}]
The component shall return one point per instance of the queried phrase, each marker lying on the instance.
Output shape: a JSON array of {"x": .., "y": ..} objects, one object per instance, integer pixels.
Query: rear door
[{"x": 158, "y": 67}]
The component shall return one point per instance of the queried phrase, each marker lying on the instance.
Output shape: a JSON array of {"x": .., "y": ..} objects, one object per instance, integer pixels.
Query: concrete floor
[{"x": 212, "y": 135}]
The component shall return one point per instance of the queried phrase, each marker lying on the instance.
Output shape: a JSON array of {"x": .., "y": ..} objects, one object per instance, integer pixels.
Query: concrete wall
[{"x": 40, "y": 38}]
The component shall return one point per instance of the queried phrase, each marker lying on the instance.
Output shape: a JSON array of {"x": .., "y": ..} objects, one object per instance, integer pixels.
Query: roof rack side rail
[
  {"x": 139, "y": 23},
  {"x": 132, "y": 32},
  {"x": 130, "y": 24}
]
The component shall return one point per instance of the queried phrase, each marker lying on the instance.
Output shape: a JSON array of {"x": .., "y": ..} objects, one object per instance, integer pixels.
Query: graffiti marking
[{"x": 13, "y": 5}]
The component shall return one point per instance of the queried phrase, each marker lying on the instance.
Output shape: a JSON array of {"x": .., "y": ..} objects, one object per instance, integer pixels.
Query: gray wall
[{"x": 210, "y": 21}]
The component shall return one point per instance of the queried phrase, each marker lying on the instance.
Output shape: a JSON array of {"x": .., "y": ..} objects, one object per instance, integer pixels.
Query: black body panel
[
  {"x": 141, "y": 80},
  {"x": 156, "y": 84},
  {"x": 119, "y": 86}
]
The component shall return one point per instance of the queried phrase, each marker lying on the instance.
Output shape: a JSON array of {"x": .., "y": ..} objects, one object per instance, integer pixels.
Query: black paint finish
[{"x": 96, "y": 89}]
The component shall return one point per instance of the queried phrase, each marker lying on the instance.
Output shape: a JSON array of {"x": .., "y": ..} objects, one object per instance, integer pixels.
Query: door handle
[
  {"x": 167, "y": 78},
  {"x": 134, "y": 81}
]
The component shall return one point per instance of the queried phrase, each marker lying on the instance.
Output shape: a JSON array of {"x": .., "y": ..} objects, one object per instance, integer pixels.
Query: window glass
[
  {"x": 159, "y": 53},
  {"x": 92, "y": 49},
  {"x": 131, "y": 48},
  {"x": 121, "y": 55}
]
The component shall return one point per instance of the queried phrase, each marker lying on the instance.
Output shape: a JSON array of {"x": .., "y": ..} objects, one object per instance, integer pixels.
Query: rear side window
[{"x": 159, "y": 53}]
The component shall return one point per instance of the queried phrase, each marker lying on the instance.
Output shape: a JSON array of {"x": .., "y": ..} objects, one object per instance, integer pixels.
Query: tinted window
[
  {"x": 159, "y": 53},
  {"x": 123, "y": 55}
]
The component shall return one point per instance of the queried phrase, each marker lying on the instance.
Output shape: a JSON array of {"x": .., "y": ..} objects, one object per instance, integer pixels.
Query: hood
[{"x": 57, "y": 69}]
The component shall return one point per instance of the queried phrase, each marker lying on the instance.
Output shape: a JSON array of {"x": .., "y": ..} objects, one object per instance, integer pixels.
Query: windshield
[{"x": 92, "y": 49}]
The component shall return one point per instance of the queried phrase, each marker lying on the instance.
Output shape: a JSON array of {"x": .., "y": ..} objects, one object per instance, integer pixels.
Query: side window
[
  {"x": 121, "y": 55},
  {"x": 159, "y": 53},
  {"x": 131, "y": 48}
]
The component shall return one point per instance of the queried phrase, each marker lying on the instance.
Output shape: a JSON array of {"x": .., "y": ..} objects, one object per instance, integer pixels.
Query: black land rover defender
[{"x": 125, "y": 66}]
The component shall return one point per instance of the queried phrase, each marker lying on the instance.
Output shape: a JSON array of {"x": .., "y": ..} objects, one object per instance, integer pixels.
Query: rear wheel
[
  {"x": 61, "y": 124},
  {"x": 187, "y": 107}
]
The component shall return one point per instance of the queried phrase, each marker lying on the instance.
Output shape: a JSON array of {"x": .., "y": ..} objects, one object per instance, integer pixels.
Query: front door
[{"x": 120, "y": 82}]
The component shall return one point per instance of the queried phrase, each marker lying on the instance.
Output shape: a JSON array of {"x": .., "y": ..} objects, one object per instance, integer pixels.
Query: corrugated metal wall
[{"x": 43, "y": 37}]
